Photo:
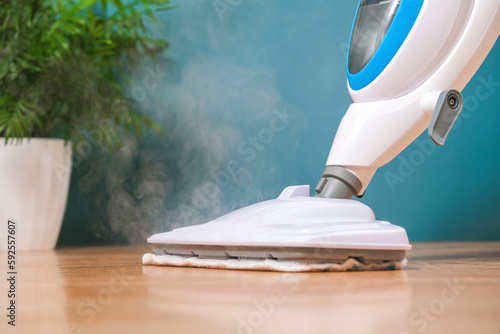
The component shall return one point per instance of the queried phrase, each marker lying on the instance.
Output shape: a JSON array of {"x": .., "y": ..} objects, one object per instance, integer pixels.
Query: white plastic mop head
[{"x": 293, "y": 232}]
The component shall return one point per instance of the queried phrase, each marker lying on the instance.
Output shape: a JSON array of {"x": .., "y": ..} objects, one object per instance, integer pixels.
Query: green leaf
[
  {"x": 4, "y": 68},
  {"x": 118, "y": 4},
  {"x": 54, "y": 27},
  {"x": 104, "y": 5}
]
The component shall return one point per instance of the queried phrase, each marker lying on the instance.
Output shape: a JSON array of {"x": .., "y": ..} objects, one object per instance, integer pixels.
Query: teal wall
[{"x": 234, "y": 69}]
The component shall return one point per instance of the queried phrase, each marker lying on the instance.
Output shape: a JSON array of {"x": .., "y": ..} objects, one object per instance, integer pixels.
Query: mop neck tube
[{"x": 338, "y": 182}]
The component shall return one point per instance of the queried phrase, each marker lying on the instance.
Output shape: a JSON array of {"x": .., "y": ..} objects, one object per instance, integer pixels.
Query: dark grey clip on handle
[{"x": 449, "y": 105}]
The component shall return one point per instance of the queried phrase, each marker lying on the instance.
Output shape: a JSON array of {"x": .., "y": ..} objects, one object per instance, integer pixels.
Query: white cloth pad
[{"x": 349, "y": 264}]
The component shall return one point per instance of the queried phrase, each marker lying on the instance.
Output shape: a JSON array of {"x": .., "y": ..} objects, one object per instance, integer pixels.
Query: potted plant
[{"x": 62, "y": 65}]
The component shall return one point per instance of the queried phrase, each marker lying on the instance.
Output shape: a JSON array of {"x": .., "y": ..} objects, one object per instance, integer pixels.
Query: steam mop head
[{"x": 293, "y": 233}]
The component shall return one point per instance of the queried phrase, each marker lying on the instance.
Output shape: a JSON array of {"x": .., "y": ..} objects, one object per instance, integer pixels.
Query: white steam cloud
[{"x": 206, "y": 164}]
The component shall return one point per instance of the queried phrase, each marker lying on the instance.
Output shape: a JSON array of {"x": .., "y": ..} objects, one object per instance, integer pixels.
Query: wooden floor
[{"x": 446, "y": 288}]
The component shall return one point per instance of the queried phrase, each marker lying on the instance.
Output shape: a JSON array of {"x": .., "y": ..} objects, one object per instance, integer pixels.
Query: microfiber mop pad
[{"x": 350, "y": 264}]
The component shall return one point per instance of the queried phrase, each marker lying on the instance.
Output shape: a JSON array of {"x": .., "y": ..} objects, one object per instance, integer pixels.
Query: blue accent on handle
[{"x": 398, "y": 31}]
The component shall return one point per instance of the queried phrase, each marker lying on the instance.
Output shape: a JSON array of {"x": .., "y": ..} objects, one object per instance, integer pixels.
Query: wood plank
[{"x": 446, "y": 288}]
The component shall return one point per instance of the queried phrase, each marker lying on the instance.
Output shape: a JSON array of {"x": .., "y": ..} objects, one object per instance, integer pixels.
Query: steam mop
[{"x": 407, "y": 62}]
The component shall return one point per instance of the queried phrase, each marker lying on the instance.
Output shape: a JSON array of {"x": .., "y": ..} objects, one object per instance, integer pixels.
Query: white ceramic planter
[{"x": 34, "y": 184}]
